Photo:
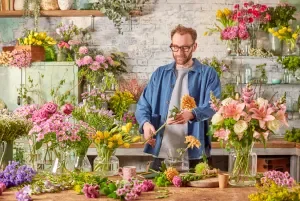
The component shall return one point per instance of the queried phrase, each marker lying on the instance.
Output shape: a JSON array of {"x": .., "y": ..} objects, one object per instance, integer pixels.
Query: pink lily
[
  {"x": 280, "y": 115},
  {"x": 233, "y": 110},
  {"x": 263, "y": 114}
]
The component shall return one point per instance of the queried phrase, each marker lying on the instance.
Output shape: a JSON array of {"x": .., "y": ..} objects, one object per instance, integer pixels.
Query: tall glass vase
[
  {"x": 61, "y": 164},
  {"x": 276, "y": 45},
  {"x": 8, "y": 154},
  {"x": 2, "y": 153},
  {"x": 82, "y": 163},
  {"x": 242, "y": 165},
  {"x": 106, "y": 163}
]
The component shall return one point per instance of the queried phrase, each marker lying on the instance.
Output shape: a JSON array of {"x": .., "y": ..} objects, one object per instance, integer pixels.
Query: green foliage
[
  {"x": 292, "y": 135},
  {"x": 19, "y": 154},
  {"x": 200, "y": 167},
  {"x": 50, "y": 54},
  {"x": 116, "y": 9},
  {"x": 280, "y": 16},
  {"x": 228, "y": 91},
  {"x": 32, "y": 88},
  {"x": 161, "y": 180},
  {"x": 61, "y": 98},
  {"x": 109, "y": 80},
  {"x": 291, "y": 63},
  {"x": 263, "y": 74},
  {"x": 120, "y": 102},
  {"x": 219, "y": 66}
]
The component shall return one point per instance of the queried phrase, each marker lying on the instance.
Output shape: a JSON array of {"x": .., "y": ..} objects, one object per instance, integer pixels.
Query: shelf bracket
[{"x": 92, "y": 23}]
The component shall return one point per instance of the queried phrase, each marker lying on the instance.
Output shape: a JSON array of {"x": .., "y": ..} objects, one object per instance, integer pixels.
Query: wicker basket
[{"x": 49, "y": 5}]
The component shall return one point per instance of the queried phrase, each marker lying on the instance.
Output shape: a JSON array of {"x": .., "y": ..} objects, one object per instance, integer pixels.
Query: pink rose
[
  {"x": 50, "y": 107},
  {"x": 67, "y": 108},
  {"x": 40, "y": 115}
]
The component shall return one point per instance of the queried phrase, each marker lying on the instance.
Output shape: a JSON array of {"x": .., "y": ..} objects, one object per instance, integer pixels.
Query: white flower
[
  {"x": 261, "y": 102},
  {"x": 273, "y": 125},
  {"x": 217, "y": 119},
  {"x": 226, "y": 101},
  {"x": 256, "y": 135},
  {"x": 240, "y": 127}
]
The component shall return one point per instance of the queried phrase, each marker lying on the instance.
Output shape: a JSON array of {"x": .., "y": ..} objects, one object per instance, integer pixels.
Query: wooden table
[{"x": 176, "y": 194}]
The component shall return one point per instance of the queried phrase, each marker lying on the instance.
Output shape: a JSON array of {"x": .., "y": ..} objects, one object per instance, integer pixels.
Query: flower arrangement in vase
[
  {"x": 93, "y": 63},
  {"x": 241, "y": 121}
]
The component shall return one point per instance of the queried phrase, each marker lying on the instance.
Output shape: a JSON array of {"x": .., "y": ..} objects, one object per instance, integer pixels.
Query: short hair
[{"x": 184, "y": 30}]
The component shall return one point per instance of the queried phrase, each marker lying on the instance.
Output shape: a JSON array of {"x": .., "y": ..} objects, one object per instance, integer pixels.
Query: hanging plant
[
  {"x": 32, "y": 9},
  {"x": 115, "y": 10}
]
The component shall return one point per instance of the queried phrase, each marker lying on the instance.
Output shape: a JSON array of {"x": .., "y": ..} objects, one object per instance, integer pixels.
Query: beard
[{"x": 182, "y": 59}]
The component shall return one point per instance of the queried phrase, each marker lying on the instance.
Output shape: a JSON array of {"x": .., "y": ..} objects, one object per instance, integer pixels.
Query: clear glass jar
[
  {"x": 82, "y": 164},
  {"x": 248, "y": 74},
  {"x": 106, "y": 168},
  {"x": 242, "y": 166}
]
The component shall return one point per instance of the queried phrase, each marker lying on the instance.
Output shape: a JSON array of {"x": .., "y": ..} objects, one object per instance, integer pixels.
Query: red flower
[
  {"x": 236, "y": 6},
  {"x": 268, "y": 17},
  {"x": 246, "y": 4},
  {"x": 256, "y": 14},
  {"x": 263, "y": 8},
  {"x": 250, "y": 19},
  {"x": 250, "y": 10}
]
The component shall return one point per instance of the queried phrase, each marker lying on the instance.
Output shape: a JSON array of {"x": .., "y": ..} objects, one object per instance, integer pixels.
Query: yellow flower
[
  {"x": 77, "y": 188},
  {"x": 97, "y": 141},
  {"x": 188, "y": 102},
  {"x": 118, "y": 136},
  {"x": 271, "y": 30},
  {"x": 110, "y": 139},
  {"x": 126, "y": 145},
  {"x": 289, "y": 30},
  {"x": 100, "y": 135},
  {"x": 227, "y": 12},
  {"x": 106, "y": 134},
  {"x": 279, "y": 37},
  {"x": 281, "y": 31},
  {"x": 295, "y": 36},
  {"x": 136, "y": 139},
  {"x": 39, "y": 42},
  {"x": 219, "y": 13},
  {"x": 284, "y": 28},
  {"x": 192, "y": 142},
  {"x": 110, "y": 145},
  {"x": 275, "y": 34},
  {"x": 120, "y": 142}
]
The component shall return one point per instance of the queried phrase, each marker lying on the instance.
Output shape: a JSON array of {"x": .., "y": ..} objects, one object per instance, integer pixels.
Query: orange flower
[
  {"x": 188, "y": 102},
  {"x": 192, "y": 142}
]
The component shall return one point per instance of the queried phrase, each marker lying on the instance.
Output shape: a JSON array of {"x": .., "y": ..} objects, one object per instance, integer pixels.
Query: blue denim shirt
[{"x": 154, "y": 102}]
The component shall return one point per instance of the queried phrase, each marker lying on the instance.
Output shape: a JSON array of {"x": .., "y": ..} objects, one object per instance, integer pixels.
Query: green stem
[{"x": 155, "y": 133}]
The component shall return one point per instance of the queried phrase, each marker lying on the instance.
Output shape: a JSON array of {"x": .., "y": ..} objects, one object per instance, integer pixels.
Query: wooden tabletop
[
  {"x": 273, "y": 143},
  {"x": 176, "y": 194}
]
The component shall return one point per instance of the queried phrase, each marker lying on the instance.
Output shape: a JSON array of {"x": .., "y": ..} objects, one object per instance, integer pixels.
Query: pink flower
[
  {"x": 87, "y": 60},
  {"x": 110, "y": 61},
  {"x": 280, "y": 115},
  {"x": 83, "y": 50},
  {"x": 263, "y": 115},
  {"x": 250, "y": 20},
  {"x": 236, "y": 6},
  {"x": 268, "y": 17},
  {"x": 50, "y": 107},
  {"x": 67, "y": 108},
  {"x": 80, "y": 62},
  {"x": 100, "y": 58},
  {"x": 263, "y": 8},
  {"x": 177, "y": 181},
  {"x": 40, "y": 115},
  {"x": 222, "y": 134},
  {"x": 95, "y": 66},
  {"x": 246, "y": 4},
  {"x": 247, "y": 94},
  {"x": 233, "y": 110}
]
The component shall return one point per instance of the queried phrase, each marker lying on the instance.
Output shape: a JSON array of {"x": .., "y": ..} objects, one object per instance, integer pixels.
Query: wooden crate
[
  {"x": 278, "y": 164},
  {"x": 37, "y": 52}
]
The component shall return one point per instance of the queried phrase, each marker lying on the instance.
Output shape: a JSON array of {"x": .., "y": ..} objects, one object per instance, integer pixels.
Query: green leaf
[{"x": 38, "y": 145}]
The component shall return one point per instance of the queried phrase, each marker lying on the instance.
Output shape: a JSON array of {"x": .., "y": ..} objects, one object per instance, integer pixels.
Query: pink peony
[
  {"x": 110, "y": 61},
  {"x": 83, "y": 50},
  {"x": 87, "y": 60},
  {"x": 95, "y": 66},
  {"x": 100, "y": 58},
  {"x": 50, "y": 107},
  {"x": 67, "y": 108}
]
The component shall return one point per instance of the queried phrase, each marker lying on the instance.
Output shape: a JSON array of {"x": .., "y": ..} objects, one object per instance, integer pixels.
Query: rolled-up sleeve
[{"x": 204, "y": 111}]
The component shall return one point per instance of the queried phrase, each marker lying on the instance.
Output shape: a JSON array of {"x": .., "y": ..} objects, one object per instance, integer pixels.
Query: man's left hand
[{"x": 182, "y": 118}]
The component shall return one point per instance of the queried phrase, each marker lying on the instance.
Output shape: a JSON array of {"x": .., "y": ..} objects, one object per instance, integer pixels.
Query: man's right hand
[{"x": 148, "y": 131}]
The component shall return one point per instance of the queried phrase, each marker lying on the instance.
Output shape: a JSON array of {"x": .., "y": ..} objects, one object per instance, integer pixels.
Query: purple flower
[{"x": 24, "y": 194}]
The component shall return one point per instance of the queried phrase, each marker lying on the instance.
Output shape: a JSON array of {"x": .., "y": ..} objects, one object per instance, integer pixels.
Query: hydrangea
[{"x": 15, "y": 175}]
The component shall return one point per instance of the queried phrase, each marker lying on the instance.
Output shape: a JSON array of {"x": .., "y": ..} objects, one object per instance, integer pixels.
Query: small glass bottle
[
  {"x": 248, "y": 74},
  {"x": 286, "y": 77}
]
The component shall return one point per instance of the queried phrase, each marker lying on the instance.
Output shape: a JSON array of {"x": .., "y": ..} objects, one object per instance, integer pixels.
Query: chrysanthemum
[{"x": 188, "y": 102}]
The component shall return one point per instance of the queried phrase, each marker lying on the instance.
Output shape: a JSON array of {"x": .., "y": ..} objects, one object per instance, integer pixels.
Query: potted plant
[
  {"x": 115, "y": 10},
  {"x": 290, "y": 63}
]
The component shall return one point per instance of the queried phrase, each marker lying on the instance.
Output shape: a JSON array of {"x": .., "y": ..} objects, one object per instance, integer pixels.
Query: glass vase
[
  {"x": 8, "y": 154},
  {"x": 106, "y": 163},
  {"x": 176, "y": 160},
  {"x": 61, "y": 163},
  {"x": 61, "y": 56},
  {"x": 2, "y": 153},
  {"x": 242, "y": 165},
  {"x": 276, "y": 45},
  {"x": 82, "y": 163},
  {"x": 233, "y": 48}
]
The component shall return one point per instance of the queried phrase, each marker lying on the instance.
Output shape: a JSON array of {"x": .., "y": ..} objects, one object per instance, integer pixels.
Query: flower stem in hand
[{"x": 155, "y": 133}]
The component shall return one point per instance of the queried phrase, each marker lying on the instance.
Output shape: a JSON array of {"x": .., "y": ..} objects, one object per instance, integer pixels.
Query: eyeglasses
[{"x": 183, "y": 48}]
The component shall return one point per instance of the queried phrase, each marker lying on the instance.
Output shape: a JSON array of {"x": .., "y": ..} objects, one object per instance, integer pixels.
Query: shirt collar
[{"x": 197, "y": 66}]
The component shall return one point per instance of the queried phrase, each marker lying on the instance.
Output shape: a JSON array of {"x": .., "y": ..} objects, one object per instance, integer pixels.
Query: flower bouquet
[
  {"x": 239, "y": 123},
  {"x": 106, "y": 143}
]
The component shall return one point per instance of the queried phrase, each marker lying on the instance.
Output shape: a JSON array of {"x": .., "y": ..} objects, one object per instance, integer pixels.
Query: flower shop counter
[
  {"x": 274, "y": 147},
  {"x": 175, "y": 194}
]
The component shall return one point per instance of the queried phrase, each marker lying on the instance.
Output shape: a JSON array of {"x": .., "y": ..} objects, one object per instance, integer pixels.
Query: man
[{"x": 164, "y": 91}]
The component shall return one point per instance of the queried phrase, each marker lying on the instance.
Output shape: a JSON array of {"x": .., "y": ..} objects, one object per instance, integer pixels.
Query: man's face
[{"x": 182, "y": 47}]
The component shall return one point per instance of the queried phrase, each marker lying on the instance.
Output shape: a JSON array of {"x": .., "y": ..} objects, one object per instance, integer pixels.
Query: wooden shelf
[{"x": 56, "y": 13}]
